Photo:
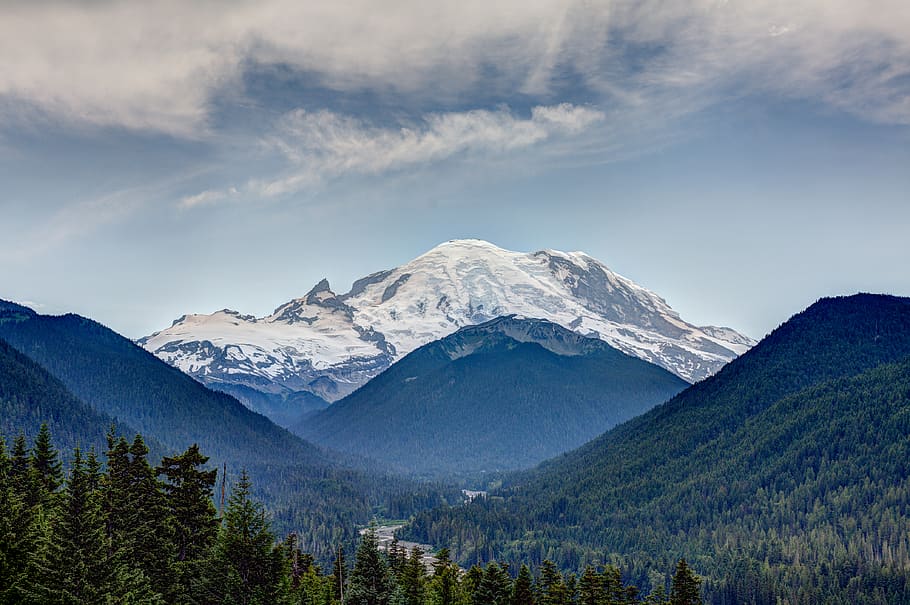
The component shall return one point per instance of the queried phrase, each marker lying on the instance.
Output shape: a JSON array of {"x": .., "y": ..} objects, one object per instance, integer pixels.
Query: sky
[{"x": 740, "y": 158}]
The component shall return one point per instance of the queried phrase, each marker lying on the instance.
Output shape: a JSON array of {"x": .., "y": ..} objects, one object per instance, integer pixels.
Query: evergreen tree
[
  {"x": 444, "y": 584},
  {"x": 189, "y": 492},
  {"x": 551, "y": 590},
  {"x": 413, "y": 579},
  {"x": 20, "y": 469},
  {"x": 397, "y": 557},
  {"x": 496, "y": 586},
  {"x": 46, "y": 463},
  {"x": 149, "y": 535},
  {"x": 244, "y": 566},
  {"x": 188, "y": 500},
  {"x": 523, "y": 588},
  {"x": 471, "y": 581},
  {"x": 14, "y": 532},
  {"x": 72, "y": 564},
  {"x": 685, "y": 589},
  {"x": 370, "y": 582},
  {"x": 590, "y": 587}
]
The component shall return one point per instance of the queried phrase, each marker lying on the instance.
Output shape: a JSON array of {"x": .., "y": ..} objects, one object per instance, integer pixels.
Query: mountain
[
  {"x": 501, "y": 395},
  {"x": 329, "y": 344},
  {"x": 30, "y": 396},
  {"x": 120, "y": 379},
  {"x": 305, "y": 488},
  {"x": 785, "y": 475}
]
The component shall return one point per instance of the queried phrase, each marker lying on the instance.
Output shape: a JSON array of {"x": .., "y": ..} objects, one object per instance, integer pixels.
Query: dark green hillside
[
  {"x": 304, "y": 488},
  {"x": 787, "y": 473},
  {"x": 118, "y": 378},
  {"x": 502, "y": 395},
  {"x": 29, "y": 396}
]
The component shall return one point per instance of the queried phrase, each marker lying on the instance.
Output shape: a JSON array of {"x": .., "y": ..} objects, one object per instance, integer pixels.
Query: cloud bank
[
  {"x": 324, "y": 144},
  {"x": 160, "y": 66}
]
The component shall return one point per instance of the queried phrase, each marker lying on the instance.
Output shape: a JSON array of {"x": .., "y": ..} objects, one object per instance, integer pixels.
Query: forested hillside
[
  {"x": 304, "y": 487},
  {"x": 785, "y": 474},
  {"x": 130, "y": 532},
  {"x": 502, "y": 395},
  {"x": 30, "y": 397}
]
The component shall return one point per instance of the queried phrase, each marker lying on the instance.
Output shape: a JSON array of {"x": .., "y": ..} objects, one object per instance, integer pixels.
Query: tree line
[{"x": 123, "y": 531}]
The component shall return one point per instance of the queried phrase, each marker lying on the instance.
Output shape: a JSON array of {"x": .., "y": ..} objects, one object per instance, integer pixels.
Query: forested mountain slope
[
  {"x": 786, "y": 473},
  {"x": 502, "y": 395},
  {"x": 304, "y": 488},
  {"x": 30, "y": 397}
]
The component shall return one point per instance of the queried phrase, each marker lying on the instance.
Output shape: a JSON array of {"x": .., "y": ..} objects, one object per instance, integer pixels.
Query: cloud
[
  {"x": 162, "y": 65},
  {"x": 209, "y": 196},
  {"x": 324, "y": 144}
]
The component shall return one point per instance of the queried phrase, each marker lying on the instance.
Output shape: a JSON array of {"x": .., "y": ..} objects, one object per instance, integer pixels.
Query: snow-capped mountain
[{"x": 330, "y": 344}]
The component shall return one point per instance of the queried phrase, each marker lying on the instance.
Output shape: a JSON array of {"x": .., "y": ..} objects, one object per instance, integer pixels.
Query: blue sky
[{"x": 741, "y": 159}]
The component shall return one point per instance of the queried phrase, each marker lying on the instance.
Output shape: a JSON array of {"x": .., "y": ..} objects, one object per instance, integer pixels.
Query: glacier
[{"x": 329, "y": 344}]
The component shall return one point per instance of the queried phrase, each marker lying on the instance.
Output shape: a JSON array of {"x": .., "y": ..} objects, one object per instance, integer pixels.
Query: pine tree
[
  {"x": 413, "y": 578},
  {"x": 189, "y": 492},
  {"x": 590, "y": 587},
  {"x": 73, "y": 565},
  {"x": 685, "y": 589},
  {"x": 371, "y": 582},
  {"x": 244, "y": 566},
  {"x": 551, "y": 590},
  {"x": 444, "y": 583},
  {"x": 149, "y": 536},
  {"x": 523, "y": 588},
  {"x": 496, "y": 586},
  {"x": 188, "y": 499},
  {"x": 138, "y": 528},
  {"x": 20, "y": 469},
  {"x": 46, "y": 463},
  {"x": 14, "y": 545}
]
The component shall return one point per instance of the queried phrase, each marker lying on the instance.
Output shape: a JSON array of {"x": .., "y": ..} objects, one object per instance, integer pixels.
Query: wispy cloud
[
  {"x": 209, "y": 196},
  {"x": 323, "y": 144},
  {"x": 160, "y": 65}
]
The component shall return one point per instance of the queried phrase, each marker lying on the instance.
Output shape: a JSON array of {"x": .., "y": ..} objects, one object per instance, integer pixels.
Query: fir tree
[
  {"x": 413, "y": 578},
  {"x": 496, "y": 586},
  {"x": 14, "y": 533},
  {"x": 551, "y": 590},
  {"x": 685, "y": 589},
  {"x": 72, "y": 565},
  {"x": 149, "y": 535},
  {"x": 590, "y": 587},
  {"x": 189, "y": 492},
  {"x": 188, "y": 499},
  {"x": 244, "y": 566},
  {"x": 20, "y": 474},
  {"x": 444, "y": 584},
  {"x": 523, "y": 588},
  {"x": 46, "y": 463},
  {"x": 370, "y": 582}
]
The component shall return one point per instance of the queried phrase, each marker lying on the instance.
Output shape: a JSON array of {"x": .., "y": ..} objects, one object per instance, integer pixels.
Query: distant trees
[{"x": 142, "y": 535}]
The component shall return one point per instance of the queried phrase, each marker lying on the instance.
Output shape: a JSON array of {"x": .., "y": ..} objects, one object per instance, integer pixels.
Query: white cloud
[
  {"x": 159, "y": 65},
  {"x": 209, "y": 196},
  {"x": 325, "y": 144}
]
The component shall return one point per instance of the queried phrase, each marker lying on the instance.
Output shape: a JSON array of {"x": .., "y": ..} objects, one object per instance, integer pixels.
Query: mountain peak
[
  {"x": 343, "y": 341},
  {"x": 322, "y": 286}
]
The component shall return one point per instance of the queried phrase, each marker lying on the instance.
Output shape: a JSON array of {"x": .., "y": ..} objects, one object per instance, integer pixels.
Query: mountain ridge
[
  {"x": 496, "y": 396},
  {"x": 330, "y": 344}
]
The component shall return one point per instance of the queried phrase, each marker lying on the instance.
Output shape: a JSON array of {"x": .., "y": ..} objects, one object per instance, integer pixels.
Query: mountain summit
[{"x": 330, "y": 344}]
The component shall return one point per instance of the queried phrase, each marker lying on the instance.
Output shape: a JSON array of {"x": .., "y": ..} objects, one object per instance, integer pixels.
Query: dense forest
[
  {"x": 786, "y": 475},
  {"x": 123, "y": 531},
  {"x": 502, "y": 395},
  {"x": 79, "y": 377}
]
